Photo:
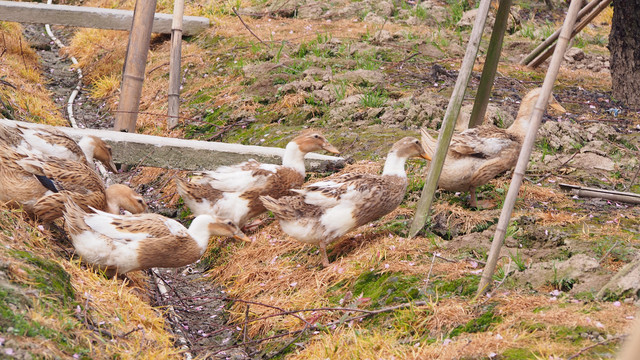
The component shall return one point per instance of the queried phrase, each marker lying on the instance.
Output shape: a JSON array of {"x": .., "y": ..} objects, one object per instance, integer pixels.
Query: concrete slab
[
  {"x": 172, "y": 153},
  {"x": 91, "y": 17}
]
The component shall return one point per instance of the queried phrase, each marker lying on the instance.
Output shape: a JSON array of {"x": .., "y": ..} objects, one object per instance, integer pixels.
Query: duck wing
[
  {"x": 482, "y": 142},
  {"x": 137, "y": 227},
  {"x": 240, "y": 177}
]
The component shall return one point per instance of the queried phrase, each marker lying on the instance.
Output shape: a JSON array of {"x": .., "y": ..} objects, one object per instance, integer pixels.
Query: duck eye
[
  {"x": 316, "y": 136},
  {"x": 229, "y": 222},
  {"x": 139, "y": 201}
]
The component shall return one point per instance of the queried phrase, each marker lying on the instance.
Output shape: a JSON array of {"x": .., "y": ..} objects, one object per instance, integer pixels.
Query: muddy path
[{"x": 197, "y": 316}]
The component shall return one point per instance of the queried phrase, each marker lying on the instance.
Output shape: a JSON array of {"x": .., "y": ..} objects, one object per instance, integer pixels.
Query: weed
[
  {"x": 387, "y": 288},
  {"x": 528, "y": 30},
  {"x": 374, "y": 98},
  {"x": 518, "y": 260},
  {"x": 340, "y": 90}
]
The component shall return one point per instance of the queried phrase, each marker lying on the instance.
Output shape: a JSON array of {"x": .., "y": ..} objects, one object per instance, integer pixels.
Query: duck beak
[
  {"x": 111, "y": 166},
  {"x": 557, "y": 107},
  {"x": 425, "y": 156},
  {"x": 330, "y": 148},
  {"x": 241, "y": 236}
]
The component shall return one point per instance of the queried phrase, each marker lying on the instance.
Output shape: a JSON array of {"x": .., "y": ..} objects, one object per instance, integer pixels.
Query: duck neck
[
  {"x": 86, "y": 144},
  {"x": 199, "y": 231},
  {"x": 294, "y": 158},
  {"x": 394, "y": 165},
  {"x": 520, "y": 126}
]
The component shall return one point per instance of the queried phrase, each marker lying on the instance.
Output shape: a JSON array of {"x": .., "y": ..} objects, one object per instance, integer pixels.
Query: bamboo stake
[
  {"x": 135, "y": 63},
  {"x": 174, "y": 64},
  {"x": 551, "y": 39},
  {"x": 490, "y": 65},
  {"x": 584, "y": 22},
  {"x": 449, "y": 122},
  {"x": 527, "y": 146}
]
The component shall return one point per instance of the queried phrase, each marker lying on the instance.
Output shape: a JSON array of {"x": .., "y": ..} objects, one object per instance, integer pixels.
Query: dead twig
[
  {"x": 583, "y": 350},
  {"x": 608, "y": 251},
  {"x": 247, "y": 27}
]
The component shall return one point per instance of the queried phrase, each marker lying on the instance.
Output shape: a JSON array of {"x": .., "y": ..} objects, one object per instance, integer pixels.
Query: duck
[
  {"x": 322, "y": 212},
  {"x": 49, "y": 141},
  {"x": 477, "y": 155},
  {"x": 232, "y": 191},
  {"x": 119, "y": 244},
  {"x": 40, "y": 185}
]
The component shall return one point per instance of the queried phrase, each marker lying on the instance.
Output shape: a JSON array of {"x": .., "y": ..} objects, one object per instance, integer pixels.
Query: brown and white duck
[
  {"x": 49, "y": 141},
  {"x": 232, "y": 191},
  {"x": 477, "y": 155},
  {"x": 41, "y": 184},
  {"x": 123, "y": 243},
  {"x": 324, "y": 211}
]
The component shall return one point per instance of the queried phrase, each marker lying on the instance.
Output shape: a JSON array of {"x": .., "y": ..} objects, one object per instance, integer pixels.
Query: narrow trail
[{"x": 198, "y": 324}]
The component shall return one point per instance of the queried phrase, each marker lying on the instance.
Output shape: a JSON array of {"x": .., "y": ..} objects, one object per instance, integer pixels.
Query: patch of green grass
[
  {"x": 546, "y": 148},
  {"x": 519, "y": 354},
  {"x": 528, "y": 30},
  {"x": 374, "y": 98},
  {"x": 49, "y": 277},
  {"x": 479, "y": 324},
  {"x": 464, "y": 286},
  {"x": 212, "y": 120},
  {"x": 456, "y": 8},
  {"x": 340, "y": 90},
  {"x": 387, "y": 288}
]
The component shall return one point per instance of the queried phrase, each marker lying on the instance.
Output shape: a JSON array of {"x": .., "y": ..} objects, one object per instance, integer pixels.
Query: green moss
[
  {"x": 465, "y": 286},
  {"x": 387, "y": 288},
  {"x": 519, "y": 354},
  {"x": 479, "y": 324},
  {"x": 49, "y": 277}
]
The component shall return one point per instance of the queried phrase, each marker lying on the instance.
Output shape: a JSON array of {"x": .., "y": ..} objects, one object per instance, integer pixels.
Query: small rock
[
  {"x": 574, "y": 53},
  {"x": 373, "y": 18},
  {"x": 382, "y": 36},
  {"x": 362, "y": 76},
  {"x": 384, "y": 8},
  {"x": 469, "y": 17}
]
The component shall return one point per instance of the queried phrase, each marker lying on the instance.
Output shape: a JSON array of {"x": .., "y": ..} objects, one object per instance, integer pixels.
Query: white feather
[
  {"x": 100, "y": 250},
  {"x": 102, "y": 223}
]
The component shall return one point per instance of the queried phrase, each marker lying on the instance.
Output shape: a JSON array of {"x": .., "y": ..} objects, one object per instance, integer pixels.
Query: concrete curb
[{"x": 172, "y": 153}]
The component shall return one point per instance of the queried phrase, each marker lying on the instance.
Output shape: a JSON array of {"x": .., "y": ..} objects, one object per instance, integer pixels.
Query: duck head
[
  {"x": 96, "y": 148},
  {"x": 405, "y": 148},
  {"x": 227, "y": 228},
  {"x": 310, "y": 141},
  {"x": 121, "y": 196}
]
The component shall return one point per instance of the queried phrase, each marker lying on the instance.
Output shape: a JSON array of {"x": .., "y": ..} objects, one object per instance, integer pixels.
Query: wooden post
[
  {"x": 583, "y": 22},
  {"x": 551, "y": 39},
  {"x": 449, "y": 122},
  {"x": 134, "y": 65},
  {"x": 174, "y": 64},
  {"x": 490, "y": 64},
  {"x": 527, "y": 146}
]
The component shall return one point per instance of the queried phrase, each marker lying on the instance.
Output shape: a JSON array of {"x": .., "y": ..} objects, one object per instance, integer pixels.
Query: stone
[
  {"x": 574, "y": 53},
  {"x": 382, "y": 36},
  {"x": 384, "y": 8},
  {"x": 373, "y": 18},
  {"x": 469, "y": 17}
]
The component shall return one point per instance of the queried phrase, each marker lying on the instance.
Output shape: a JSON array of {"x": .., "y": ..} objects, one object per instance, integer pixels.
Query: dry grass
[
  {"x": 99, "y": 303},
  {"x": 28, "y": 99}
]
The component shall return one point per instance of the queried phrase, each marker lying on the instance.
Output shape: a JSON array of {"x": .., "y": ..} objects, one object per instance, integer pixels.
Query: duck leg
[
  {"x": 473, "y": 201},
  {"x": 323, "y": 254}
]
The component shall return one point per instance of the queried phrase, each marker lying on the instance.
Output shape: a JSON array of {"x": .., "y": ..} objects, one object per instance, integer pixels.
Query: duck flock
[{"x": 50, "y": 176}]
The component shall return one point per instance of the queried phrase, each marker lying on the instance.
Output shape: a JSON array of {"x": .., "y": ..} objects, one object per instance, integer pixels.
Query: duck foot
[{"x": 473, "y": 202}]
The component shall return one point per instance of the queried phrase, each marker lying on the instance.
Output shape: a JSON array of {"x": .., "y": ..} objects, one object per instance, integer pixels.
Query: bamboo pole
[
  {"x": 449, "y": 122},
  {"x": 551, "y": 39},
  {"x": 527, "y": 146},
  {"x": 490, "y": 64},
  {"x": 174, "y": 64},
  {"x": 135, "y": 63},
  {"x": 584, "y": 22}
]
